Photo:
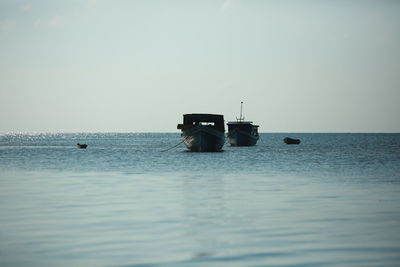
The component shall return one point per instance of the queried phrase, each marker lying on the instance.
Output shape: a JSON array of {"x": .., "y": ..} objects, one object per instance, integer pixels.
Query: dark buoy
[
  {"x": 81, "y": 145},
  {"x": 291, "y": 141}
]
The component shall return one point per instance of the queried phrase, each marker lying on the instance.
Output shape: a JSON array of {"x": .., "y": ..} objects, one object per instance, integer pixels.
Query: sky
[{"x": 138, "y": 66}]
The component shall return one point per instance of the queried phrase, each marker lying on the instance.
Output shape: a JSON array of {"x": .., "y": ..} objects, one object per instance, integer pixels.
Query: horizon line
[{"x": 169, "y": 132}]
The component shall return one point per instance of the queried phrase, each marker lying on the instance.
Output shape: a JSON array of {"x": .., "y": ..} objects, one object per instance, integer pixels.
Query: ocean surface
[{"x": 333, "y": 200}]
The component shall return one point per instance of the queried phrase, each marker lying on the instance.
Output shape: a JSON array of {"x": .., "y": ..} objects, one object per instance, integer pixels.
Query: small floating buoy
[
  {"x": 291, "y": 141},
  {"x": 81, "y": 145}
]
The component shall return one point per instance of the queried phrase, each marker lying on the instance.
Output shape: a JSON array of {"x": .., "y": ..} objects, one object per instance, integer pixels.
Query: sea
[{"x": 141, "y": 199}]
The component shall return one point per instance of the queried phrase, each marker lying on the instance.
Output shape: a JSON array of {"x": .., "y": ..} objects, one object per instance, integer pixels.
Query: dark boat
[
  {"x": 81, "y": 145},
  {"x": 241, "y": 132},
  {"x": 203, "y": 132},
  {"x": 291, "y": 141}
]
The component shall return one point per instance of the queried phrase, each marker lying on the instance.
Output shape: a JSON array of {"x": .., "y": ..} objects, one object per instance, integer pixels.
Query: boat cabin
[
  {"x": 213, "y": 120},
  {"x": 246, "y": 126}
]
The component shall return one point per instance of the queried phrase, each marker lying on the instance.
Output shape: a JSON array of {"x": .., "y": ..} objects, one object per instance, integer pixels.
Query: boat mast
[{"x": 241, "y": 108}]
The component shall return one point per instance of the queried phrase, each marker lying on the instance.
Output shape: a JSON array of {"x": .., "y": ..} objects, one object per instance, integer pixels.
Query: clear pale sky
[{"x": 137, "y": 66}]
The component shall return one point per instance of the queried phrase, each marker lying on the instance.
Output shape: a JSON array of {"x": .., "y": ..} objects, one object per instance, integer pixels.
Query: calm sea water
[{"x": 333, "y": 200}]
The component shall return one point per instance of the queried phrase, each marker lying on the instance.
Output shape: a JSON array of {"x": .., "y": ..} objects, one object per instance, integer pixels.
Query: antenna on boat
[{"x": 241, "y": 118}]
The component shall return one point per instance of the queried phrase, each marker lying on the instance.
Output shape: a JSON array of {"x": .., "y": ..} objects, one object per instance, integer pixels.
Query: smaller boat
[
  {"x": 81, "y": 145},
  {"x": 291, "y": 141},
  {"x": 241, "y": 132}
]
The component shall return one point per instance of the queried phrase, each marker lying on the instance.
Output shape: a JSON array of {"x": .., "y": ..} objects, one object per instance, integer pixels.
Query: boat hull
[
  {"x": 291, "y": 141},
  {"x": 238, "y": 137},
  {"x": 203, "y": 138}
]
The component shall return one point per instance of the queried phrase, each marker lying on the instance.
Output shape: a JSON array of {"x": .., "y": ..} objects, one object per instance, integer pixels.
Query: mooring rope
[
  {"x": 173, "y": 146},
  {"x": 261, "y": 139}
]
